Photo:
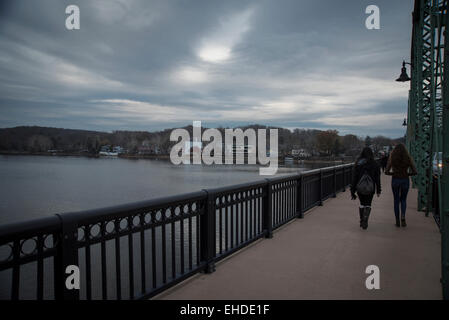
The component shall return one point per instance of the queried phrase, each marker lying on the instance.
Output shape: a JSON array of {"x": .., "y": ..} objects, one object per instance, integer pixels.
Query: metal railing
[{"x": 138, "y": 250}]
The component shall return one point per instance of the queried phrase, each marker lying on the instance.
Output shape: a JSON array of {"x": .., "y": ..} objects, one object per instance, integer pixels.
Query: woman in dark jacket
[
  {"x": 365, "y": 164},
  {"x": 403, "y": 167}
]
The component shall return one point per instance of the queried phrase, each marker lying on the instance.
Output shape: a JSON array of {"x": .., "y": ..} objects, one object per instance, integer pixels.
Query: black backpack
[{"x": 365, "y": 186}]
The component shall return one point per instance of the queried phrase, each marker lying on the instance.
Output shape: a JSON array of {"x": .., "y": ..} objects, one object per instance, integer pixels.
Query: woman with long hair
[
  {"x": 403, "y": 167},
  {"x": 366, "y": 181}
]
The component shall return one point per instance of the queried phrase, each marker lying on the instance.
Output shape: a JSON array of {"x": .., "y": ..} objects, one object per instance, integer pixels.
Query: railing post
[
  {"x": 207, "y": 234},
  {"x": 335, "y": 183},
  {"x": 299, "y": 211},
  {"x": 66, "y": 255},
  {"x": 267, "y": 212},
  {"x": 320, "y": 203},
  {"x": 344, "y": 179}
]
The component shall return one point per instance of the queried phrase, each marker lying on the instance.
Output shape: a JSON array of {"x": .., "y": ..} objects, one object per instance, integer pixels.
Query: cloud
[
  {"x": 129, "y": 13},
  {"x": 154, "y": 64},
  {"x": 217, "y": 46},
  {"x": 190, "y": 75}
]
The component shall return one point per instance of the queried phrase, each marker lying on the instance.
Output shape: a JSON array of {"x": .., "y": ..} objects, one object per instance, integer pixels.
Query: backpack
[{"x": 365, "y": 186}]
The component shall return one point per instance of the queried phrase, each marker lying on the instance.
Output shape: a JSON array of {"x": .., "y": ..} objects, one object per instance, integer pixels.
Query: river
[{"x": 37, "y": 186}]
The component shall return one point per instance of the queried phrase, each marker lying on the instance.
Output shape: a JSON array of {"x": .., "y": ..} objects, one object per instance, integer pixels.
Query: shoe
[
  {"x": 403, "y": 223},
  {"x": 397, "y": 222},
  {"x": 366, "y": 213},
  {"x": 361, "y": 216}
]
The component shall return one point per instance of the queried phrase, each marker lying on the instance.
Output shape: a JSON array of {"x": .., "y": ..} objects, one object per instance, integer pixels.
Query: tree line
[{"x": 34, "y": 139}]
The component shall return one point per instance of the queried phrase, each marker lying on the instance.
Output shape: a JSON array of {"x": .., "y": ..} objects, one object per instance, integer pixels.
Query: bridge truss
[{"x": 428, "y": 113}]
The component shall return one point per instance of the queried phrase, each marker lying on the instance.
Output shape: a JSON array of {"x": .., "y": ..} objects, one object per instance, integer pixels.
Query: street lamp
[{"x": 404, "y": 76}]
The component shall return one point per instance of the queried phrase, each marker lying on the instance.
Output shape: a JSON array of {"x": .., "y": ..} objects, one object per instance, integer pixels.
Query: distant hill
[{"x": 34, "y": 139}]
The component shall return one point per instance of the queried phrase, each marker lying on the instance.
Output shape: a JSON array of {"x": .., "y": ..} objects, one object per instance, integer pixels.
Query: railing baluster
[
  {"x": 190, "y": 239},
  {"x": 198, "y": 233},
  {"x": 207, "y": 225},
  {"x": 142, "y": 253},
  {"x": 40, "y": 268},
  {"x": 275, "y": 207},
  {"x": 248, "y": 199},
  {"x": 153, "y": 249},
  {"x": 173, "y": 246},
  {"x": 104, "y": 284},
  {"x": 235, "y": 211},
  {"x": 266, "y": 211},
  {"x": 250, "y": 217},
  {"x": 16, "y": 271},
  {"x": 227, "y": 211},
  {"x": 257, "y": 216},
  {"x": 67, "y": 255},
  {"x": 320, "y": 203},
  {"x": 88, "y": 264},
  {"x": 118, "y": 275},
  {"x": 299, "y": 199},
  {"x": 292, "y": 198},
  {"x": 164, "y": 249},
  {"x": 130, "y": 259},
  {"x": 232, "y": 222},
  {"x": 220, "y": 224},
  {"x": 181, "y": 242},
  {"x": 284, "y": 203},
  {"x": 243, "y": 200}
]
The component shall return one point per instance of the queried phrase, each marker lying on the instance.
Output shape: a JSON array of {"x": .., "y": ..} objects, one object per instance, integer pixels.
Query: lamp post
[
  {"x": 404, "y": 124},
  {"x": 404, "y": 76}
]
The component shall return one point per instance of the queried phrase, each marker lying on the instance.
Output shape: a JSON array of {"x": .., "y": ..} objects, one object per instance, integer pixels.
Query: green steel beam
[
  {"x": 425, "y": 93},
  {"x": 428, "y": 112},
  {"x": 444, "y": 179}
]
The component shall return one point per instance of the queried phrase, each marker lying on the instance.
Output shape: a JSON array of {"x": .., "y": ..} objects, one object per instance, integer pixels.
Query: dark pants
[
  {"x": 400, "y": 190},
  {"x": 366, "y": 200}
]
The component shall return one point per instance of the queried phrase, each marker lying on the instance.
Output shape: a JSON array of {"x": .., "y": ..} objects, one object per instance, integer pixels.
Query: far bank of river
[{"x": 320, "y": 161}]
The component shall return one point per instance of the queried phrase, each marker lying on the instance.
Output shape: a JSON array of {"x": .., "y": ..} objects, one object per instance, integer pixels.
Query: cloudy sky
[{"x": 150, "y": 65}]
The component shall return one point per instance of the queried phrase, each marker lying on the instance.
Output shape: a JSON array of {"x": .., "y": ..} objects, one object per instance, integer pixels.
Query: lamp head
[{"x": 404, "y": 76}]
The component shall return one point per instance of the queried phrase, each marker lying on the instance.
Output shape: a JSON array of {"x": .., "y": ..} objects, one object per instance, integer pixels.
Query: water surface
[{"x": 37, "y": 186}]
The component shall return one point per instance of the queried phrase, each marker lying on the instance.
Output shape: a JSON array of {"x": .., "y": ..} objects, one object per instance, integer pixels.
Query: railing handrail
[{"x": 215, "y": 222}]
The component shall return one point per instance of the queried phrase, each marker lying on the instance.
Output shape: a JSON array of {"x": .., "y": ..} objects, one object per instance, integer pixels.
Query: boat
[{"x": 108, "y": 154}]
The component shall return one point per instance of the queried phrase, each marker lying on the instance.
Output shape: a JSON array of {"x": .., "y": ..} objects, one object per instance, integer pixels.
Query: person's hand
[{"x": 353, "y": 196}]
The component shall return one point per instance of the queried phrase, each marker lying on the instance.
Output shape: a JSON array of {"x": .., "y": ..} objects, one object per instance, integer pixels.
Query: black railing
[{"x": 138, "y": 250}]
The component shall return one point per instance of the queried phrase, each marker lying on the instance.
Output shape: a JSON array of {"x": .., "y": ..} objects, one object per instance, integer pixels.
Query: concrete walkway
[{"x": 324, "y": 256}]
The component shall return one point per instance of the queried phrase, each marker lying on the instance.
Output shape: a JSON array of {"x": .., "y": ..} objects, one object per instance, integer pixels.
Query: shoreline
[{"x": 155, "y": 157}]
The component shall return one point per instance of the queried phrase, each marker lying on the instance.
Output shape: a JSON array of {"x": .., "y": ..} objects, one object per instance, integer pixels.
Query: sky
[{"x": 151, "y": 65}]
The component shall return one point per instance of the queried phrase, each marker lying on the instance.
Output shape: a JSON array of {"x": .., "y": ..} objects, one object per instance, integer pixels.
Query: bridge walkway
[{"x": 324, "y": 256}]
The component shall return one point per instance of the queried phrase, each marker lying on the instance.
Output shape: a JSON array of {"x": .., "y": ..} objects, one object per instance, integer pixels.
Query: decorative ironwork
[{"x": 135, "y": 251}]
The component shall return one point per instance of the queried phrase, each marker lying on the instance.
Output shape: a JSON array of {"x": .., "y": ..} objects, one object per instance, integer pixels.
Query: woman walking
[
  {"x": 403, "y": 167},
  {"x": 366, "y": 181}
]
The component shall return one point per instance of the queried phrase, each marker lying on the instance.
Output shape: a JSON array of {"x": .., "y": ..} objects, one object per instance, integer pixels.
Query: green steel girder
[
  {"x": 428, "y": 112},
  {"x": 442, "y": 131},
  {"x": 425, "y": 92}
]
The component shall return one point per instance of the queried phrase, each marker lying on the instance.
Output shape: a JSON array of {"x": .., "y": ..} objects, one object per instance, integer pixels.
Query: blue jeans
[{"x": 400, "y": 189}]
